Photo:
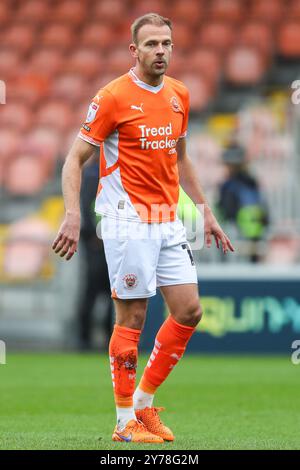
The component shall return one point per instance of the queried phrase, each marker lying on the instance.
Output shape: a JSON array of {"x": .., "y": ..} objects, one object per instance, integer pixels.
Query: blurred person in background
[
  {"x": 95, "y": 276},
  {"x": 241, "y": 201},
  {"x": 140, "y": 122}
]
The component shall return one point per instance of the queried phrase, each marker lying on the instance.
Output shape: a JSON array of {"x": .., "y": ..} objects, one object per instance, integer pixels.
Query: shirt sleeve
[
  {"x": 100, "y": 120},
  {"x": 186, "y": 106}
]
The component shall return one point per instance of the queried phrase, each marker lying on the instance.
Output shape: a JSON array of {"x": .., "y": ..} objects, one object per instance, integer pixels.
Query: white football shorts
[{"x": 142, "y": 256}]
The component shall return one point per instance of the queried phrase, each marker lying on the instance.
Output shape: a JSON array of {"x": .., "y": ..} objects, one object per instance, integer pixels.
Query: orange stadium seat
[
  {"x": 111, "y": 11},
  {"x": 178, "y": 63},
  {"x": 71, "y": 12},
  {"x": 23, "y": 259},
  {"x": 217, "y": 35},
  {"x": 183, "y": 37},
  {"x": 58, "y": 35},
  {"x": 226, "y": 10},
  {"x": 19, "y": 37},
  {"x": 257, "y": 34},
  {"x": 70, "y": 87},
  {"x": 244, "y": 66},
  {"x": 200, "y": 90},
  {"x": 145, "y": 6},
  {"x": 47, "y": 61},
  {"x": 289, "y": 40},
  {"x": 9, "y": 63},
  {"x": 33, "y": 11},
  {"x": 119, "y": 61},
  {"x": 104, "y": 78},
  {"x": 27, "y": 248},
  {"x": 271, "y": 11},
  {"x": 5, "y": 14},
  {"x": 55, "y": 114},
  {"x": 205, "y": 62},
  {"x": 191, "y": 12},
  {"x": 26, "y": 175},
  {"x": 44, "y": 143},
  {"x": 293, "y": 12},
  {"x": 10, "y": 144},
  {"x": 98, "y": 35},
  {"x": 29, "y": 88},
  {"x": 15, "y": 115},
  {"x": 85, "y": 62}
]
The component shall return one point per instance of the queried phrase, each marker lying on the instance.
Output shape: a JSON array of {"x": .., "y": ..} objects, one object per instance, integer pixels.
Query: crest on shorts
[
  {"x": 175, "y": 105},
  {"x": 130, "y": 281}
]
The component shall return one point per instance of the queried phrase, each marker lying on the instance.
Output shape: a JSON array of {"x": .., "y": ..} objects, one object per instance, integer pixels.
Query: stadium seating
[
  {"x": 98, "y": 35},
  {"x": 26, "y": 248},
  {"x": 289, "y": 40},
  {"x": 201, "y": 91},
  {"x": 54, "y": 114},
  {"x": 226, "y": 10},
  {"x": 55, "y": 55},
  {"x": 219, "y": 36},
  {"x": 19, "y": 37},
  {"x": 191, "y": 12},
  {"x": 58, "y": 35},
  {"x": 33, "y": 12},
  {"x": 271, "y": 11},
  {"x": 46, "y": 61},
  {"x": 25, "y": 175},
  {"x": 258, "y": 35},
  {"x": 244, "y": 66},
  {"x": 204, "y": 62},
  {"x": 9, "y": 61}
]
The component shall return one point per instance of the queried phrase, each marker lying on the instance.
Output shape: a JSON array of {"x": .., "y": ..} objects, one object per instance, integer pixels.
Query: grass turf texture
[{"x": 64, "y": 401}]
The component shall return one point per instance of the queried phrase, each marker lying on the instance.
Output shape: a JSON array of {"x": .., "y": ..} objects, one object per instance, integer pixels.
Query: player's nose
[{"x": 160, "y": 49}]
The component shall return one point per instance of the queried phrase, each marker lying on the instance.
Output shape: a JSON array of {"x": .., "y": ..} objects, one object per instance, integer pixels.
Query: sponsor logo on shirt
[{"x": 165, "y": 143}]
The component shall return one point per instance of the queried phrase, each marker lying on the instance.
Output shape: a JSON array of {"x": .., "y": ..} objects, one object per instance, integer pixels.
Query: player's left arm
[{"x": 191, "y": 185}]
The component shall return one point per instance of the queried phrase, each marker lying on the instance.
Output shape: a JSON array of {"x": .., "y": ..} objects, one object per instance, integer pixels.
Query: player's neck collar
[{"x": 140, "y": 83}]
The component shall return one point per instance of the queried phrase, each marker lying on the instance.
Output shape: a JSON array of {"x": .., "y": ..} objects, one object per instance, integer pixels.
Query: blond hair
[{"x": 150, "y": 18}]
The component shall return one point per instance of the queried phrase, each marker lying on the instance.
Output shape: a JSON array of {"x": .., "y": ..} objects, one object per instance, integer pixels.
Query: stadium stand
[{"x": 237, "y": 57}]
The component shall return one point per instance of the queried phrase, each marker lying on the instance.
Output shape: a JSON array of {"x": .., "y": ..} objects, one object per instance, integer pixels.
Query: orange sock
[
  {"x": 170, "y": 344},
  {"x": 123, "y": 352}
]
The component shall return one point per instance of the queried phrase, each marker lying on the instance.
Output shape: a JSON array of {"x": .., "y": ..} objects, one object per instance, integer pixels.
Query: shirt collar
[{"x": 145, "y": 86}]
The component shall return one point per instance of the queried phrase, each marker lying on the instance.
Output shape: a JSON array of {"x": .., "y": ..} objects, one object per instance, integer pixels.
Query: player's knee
[
  {"x": 190, "y": 315},
  {"x": 136, "y": 320},
  {"x": 195, "y": 314},
  {"x": 131, "y": 315}
]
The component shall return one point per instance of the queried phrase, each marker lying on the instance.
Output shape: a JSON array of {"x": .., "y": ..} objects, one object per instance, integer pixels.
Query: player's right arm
[{"x": 67, "y": 238}]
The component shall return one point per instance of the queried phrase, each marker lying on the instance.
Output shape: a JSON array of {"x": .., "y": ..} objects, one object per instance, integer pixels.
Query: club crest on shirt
[
  {"x": 130, "y": 281},
  {"x": 175, "y": 105}
]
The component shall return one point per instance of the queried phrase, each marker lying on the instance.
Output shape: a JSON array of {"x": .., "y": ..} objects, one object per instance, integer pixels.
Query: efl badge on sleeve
[{"x": 92, "y": 111}]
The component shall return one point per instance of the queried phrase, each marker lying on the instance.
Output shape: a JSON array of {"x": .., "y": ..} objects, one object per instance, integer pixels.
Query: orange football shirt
[{"x": 137, "y": 127}]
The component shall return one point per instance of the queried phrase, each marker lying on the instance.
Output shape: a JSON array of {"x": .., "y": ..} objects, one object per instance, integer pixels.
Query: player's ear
[{"x": 133, "y": 50}]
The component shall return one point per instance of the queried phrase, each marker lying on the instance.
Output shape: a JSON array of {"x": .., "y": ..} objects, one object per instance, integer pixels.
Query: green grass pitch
[{"x": 64, "y": 401}]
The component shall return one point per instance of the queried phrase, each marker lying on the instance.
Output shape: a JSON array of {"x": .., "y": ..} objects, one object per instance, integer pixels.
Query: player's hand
[
  {"x": 68, "y": 236},
  {"x": 213, "y": 229}
]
